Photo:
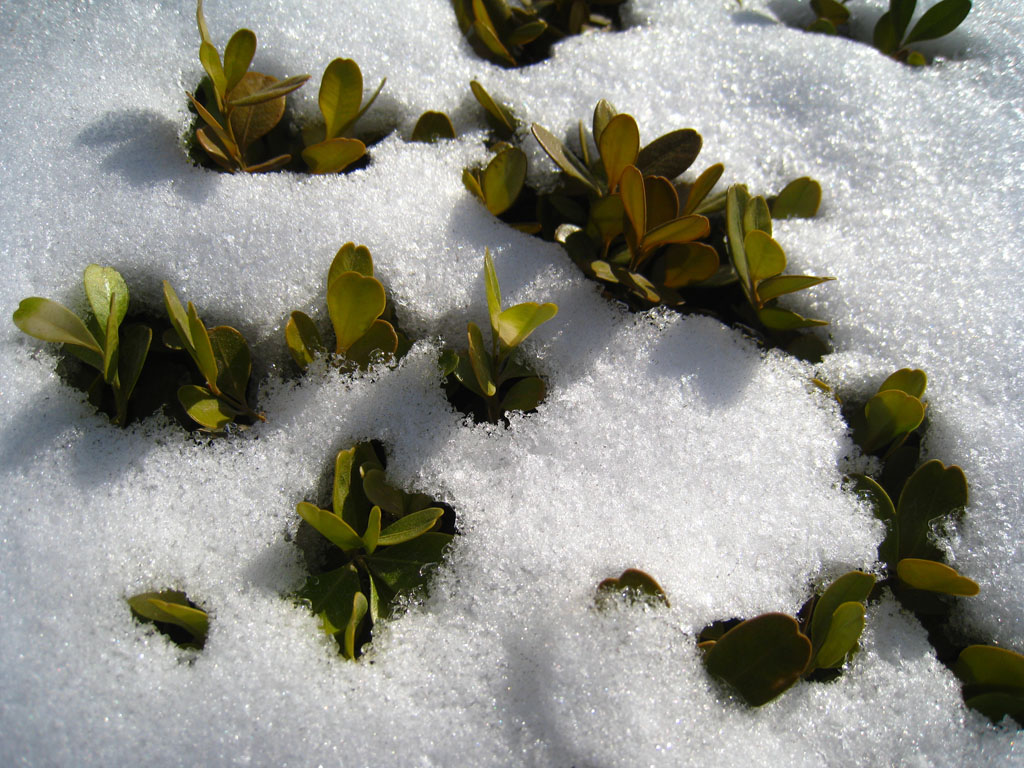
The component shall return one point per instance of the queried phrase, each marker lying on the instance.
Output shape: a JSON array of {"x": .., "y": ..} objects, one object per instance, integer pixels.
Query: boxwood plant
[
  {"x": 487, "y": 381},
  {"x": 385, "y": 543}
]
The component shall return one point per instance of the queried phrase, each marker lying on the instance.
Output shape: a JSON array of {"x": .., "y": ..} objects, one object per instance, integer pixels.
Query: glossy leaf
[
  {"x": 934, "y": 577},
  {"x": 933, "y": 492},
  {"x": 49, "y": 321},
  {"x": 681, "y": 230},
  {"x": 525, "y": 395},
  {"x": 192, "y": 620},
  {"x": 409, "y": 527},
  {"x": 563, "y": 158},
  {"x": 845, "y": 628},
  {"x": 341, "y": 93},
  {"x": 432, "y": 126},
  {"x": 761, "y": 657},
  {"x": 503, "y": 180},
  {"x": 303, "y": 339},
  {"x": 619, "y": 145},
  {"x": 480, "y": 360},
  {"x": 105, "y": 288},
  {"x": 333, "y": 155},
  {"x": 518, "y": 322},
  {"x": 941, "y": 19},
  {"x": 799, "y": 199},
  {"x": 350, "y": 258},
  {"x": 237, "y": 57},
  {"x": 990, "y": 666},
  {"x": 402, "y": 567},
  {"x": 670, "y": 155},
  {"x": 889, "y": 415},
  {"x": 854, "y": 586},
  {"x": 210, "y": 60},
  {"x": 354, "y": 301},
  {"x": 765, "y": 257},
  {"x": 332, "y": 527},
  {"x": 205, "y": 408}
]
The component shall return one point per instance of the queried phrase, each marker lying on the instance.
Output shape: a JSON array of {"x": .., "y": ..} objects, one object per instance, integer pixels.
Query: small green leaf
[
  {"x": 687, "y": 264},
  {"x": 890, "y": 414},
  {"x": 784, "y": 320},
  {"x": 333, "y": 528},
  {"x": 884, "y": 510},
  {"x": 204, "y": 32},
  {"x": 773, "y": 287},
  {"x": 760, "y": 657},
  {"x": 303, "y": 339},
  {"x": 765, "y": 257},
  {"x": 489, "y": 37},
  {"x": 135, "y": 342},
  {"x": 219, "y": 130},
  {"x": 110, "y": 344},
  {"x": 518, "y": 322},
  {"x": 409, "y": 527},
  {"x": 799, "y": 199},
  {"x": 333, "y": 155},
  {"x": 401, "y": 567},
  {"x": 634, "y": 199},
  {"x": 702, "y": 187},
  {"x": 564, "y": 159},
  {"x": 990, "y": 667},
  {"x": 432, "y": 126},
  {"x": 525, "y": 395},
  {"x": 211, "y": 148},
  {"x": 527, "y": 33},
  {"x": 995, "y": 705},
  {"x": 192, "y": 620},
  {"x": 234, "y": 362},
  {"x": 737, "y": 199},
  {"x": 681, "y": 230},
  {"x": 499, "y": 113},
  {"x": 49, "y": 321},
  {"x": 934, "y": 577},
  {"x": 352, "y": 625},
  {"x": 493, "y": 291},
  {"x": 941, "y": 19},
  {"x": 354, "y": 301},
  {"x": 756, "y": 216},
  {"x": 448, "y": 361},
  {"x": 480, "y": 360},
  {"x": 885, "y": 37},
  {"x": 381, "y": 493},
  {"x": 348, "y": 495},
  {"x": 341, "y": 93},
  {"x": 833, "y": 10},
  {"x": 912, "y": 381},
  {"x": 350, "y": 258},
  {"x": 210, "y": 60},
  {"x": 845, "y": 628},
  {"x": 503, "y": 180},
  {"x": 471, "y": 181},
  {"x": 933, "y": 492},
  {"x": 670, "y": 155},
  {"x": 178, "y": 317},
  {"x": 105, "y": 289},
  {"x": 238, "y": 56},
  {"x": 854, "y": 586},
  {"x": 331, "y": 597},
  {"x": 203, "y": 349},
  {"x": 603, "y": 114},
  {"x": 205, "y": 408},
  {"x": 619, "y": 146},
  {"x": 372, "y": 535}
]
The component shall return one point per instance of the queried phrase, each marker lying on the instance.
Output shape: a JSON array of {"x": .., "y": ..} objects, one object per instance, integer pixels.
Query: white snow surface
[{"x": 666, "y": 443}]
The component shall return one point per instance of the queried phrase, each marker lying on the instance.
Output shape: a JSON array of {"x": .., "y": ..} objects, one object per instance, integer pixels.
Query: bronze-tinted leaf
[
  {"x": 333, "y": 155},
  {"x": 249, "y": 123},
  {"x": 433, "y": 126},
  {"x": 618, "y": 146}
]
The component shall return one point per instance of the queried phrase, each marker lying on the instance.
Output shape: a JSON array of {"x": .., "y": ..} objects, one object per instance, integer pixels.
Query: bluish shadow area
[{"x": 143, "y": 148}]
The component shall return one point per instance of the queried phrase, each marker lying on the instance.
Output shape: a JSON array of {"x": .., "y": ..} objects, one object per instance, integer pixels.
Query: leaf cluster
[
  {"x": 890, "y": 34},
  {"x": 360, "y": 314},
  {"x": 221, "y": 354},
  {"x": 241, "y": 108},
  {"x": 384, "y": 539},
  {"x": 514, "y": 35},
  {"x": 117, "y": 352},
  {"x": 491, "y": 375},
  {"x": 762, "y": 657},
  {"x": 174, "y": 615}
]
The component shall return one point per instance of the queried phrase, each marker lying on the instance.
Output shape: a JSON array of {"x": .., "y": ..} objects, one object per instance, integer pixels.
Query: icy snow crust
[{"x": 668, "y": 444}]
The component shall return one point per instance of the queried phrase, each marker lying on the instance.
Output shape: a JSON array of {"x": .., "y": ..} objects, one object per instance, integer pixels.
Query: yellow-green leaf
[
  {"x": 332, "y": 527},
  {"x": 333, "y": 155},
  {"x": 432, "y": 126},
  {"x": 765, "y": 257},
  {"x": 702, "y": 187},
  {"x": 843, "y": 632},
  {"x": 518, "y": 322},
  {"x": 238, "y": 56},
  {"x": 682, "y": 230},
  {"x": 934, "y": 577},
  {"x": 619, "y": 145},
  {"x": 303, "y": 339},
  {"x": 205, "y": 408},
  {"x": 380, "y": 340},
  {"x": 503, "y": 180},
  {"x": 354, "y": 301},
  {"x": 493, "y": 291},
  {"x": 350, "y": 258},
  {"x": 49, "y": 321},
  {"x": 480, "y": 361},
  {"x": 912, "y": 381},
  {"x": 210, "y": 60},
  {"x": 634, "y": 199},
  {"x": 410, "y": 526},
  {"x": 341, "y": 93}
]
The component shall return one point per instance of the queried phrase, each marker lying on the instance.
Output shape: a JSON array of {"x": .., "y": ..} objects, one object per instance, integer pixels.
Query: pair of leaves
[
  {"x": 762, "y": 657},
  {"x": 355, "y": 303},
  {"x": 893, "y": 412},
  {"x": 939, "y": 20},
  {"x": 993, "y": 680},
  {"x": 222, "y": 356},
  {"x": 100, "y": 343},
  {"x": 933, "y": 493},
  {"x": 759, "y": 261},
  {"x": 341, "y": 103},
  {"x": 172, "y": 607}
]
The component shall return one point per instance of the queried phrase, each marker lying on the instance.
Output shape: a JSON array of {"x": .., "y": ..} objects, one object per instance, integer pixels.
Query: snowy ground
[{"x": 667, "y": 444}]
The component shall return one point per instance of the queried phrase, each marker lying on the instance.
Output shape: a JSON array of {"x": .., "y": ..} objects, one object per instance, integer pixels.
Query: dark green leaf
[
  {"x": 941, "y": 19},
  {"x": 432, "y": 126},
  {"x": 303, "y": 339},
  {"x": 234, "y": 362},
  {"x": 854, "y": 586},
  {"x": 525, "y": 395},
  {"x": 799, "y": 199},
  {"x": 933, "y": 492},
  {"x": 564, "y": 159},
  {"x": 331, "y": 596},
  {"x": 670, "y": 155},
  {"x": 403, "y": 567}
]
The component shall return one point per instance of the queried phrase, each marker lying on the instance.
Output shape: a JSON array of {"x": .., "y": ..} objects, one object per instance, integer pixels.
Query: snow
[{"x": 666, "y": 443}]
